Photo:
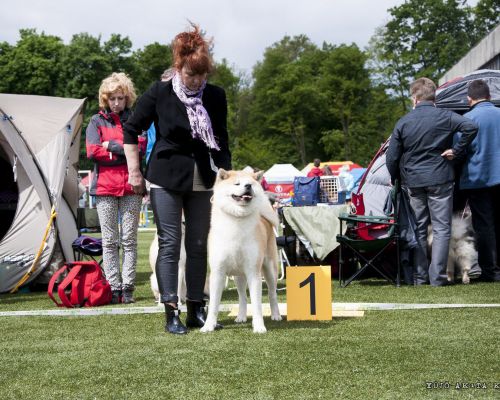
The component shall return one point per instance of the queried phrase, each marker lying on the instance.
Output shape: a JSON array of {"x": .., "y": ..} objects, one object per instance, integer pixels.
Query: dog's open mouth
[{"x": 244, "y": 198}]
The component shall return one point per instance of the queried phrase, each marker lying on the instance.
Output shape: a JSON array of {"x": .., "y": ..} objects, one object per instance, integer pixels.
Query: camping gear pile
[{"x": 286, "y": 183}]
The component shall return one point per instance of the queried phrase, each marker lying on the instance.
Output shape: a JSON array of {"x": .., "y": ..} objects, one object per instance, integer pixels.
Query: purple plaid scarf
[{"x": 201, "y": 127}]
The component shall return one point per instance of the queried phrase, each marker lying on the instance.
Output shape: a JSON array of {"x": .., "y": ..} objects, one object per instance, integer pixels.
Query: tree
[
  {"x": 486, "y": 17},
  {"x": 150, "y": 63},
  {"x": 224, "y": 76},
  {"x": 285, "y": 104},
  {"x": 118, "y": 52},
  {"x": 32, "y": 66},
  {"x": 345, "y": 84},
  {"x": 84, "y": 65},
  {"x": 422, "y": 38}
]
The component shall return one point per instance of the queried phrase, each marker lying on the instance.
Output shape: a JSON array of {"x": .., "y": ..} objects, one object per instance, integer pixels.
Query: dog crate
[{"x": 329, "y": 193}]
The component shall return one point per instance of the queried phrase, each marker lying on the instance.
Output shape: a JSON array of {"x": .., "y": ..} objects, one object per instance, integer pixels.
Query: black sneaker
[
  {"x": 128, "y": 297},
  {"x": 116, "y": 297}
]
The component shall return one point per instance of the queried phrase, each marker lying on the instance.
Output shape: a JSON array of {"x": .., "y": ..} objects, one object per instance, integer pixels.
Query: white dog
[
  {"x": 462, "y": 253},
  {"x": 242, "y": 243}
]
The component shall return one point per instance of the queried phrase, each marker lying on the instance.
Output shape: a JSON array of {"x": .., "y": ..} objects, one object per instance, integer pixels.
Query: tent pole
[{"x": 33, "y": 267}]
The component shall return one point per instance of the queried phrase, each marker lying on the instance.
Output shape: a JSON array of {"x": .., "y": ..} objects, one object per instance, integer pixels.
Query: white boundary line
[{"x": 83, "y": 312}]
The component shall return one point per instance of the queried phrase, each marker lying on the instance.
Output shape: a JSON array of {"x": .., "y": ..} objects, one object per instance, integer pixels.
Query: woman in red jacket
[{"x": 115, "y": 199}]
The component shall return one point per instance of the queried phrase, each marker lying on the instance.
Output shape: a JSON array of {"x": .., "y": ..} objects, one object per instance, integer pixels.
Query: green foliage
[
  {"x": 316, "y": 103},
  {"x": 426, "y": 38},
  {"x": 83, "y": 66},
  {"x": 285, "y": 101},
  {"x": 486, "y": 16},
  {"x": 150, "y": 63},
  {"x": 32, "y": 66},
  {"x": 224, "y": 77},
  {"x": 118, "y": 51},
  {"x": 345, "y": 84}
]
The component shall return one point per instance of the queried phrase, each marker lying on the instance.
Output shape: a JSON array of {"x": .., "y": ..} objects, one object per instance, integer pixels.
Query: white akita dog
[
  {"x": 242, "y": 243},
  {"x": 462, "y": 256}
]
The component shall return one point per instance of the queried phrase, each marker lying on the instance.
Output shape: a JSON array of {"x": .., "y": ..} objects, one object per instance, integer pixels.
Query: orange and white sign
[{"x": 309, "y": 293}]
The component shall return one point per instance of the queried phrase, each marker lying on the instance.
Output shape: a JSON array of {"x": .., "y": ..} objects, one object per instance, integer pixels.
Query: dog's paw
[
  {"x": 259, "y": 329},
  {"x": 466, "y": 280},
  {"x": 207, "y": 328},
  {"x": 241, "y": 319},
  {"x": 276, "y": 317}
]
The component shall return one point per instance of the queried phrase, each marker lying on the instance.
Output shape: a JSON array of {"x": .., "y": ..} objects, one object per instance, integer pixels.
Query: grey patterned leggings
[{"x": 110, "y": 209}]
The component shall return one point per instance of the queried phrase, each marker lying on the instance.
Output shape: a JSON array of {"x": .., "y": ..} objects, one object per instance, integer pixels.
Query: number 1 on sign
[
  {"x": 312, "y": 291},
  {"x": 308, "y": 293}
]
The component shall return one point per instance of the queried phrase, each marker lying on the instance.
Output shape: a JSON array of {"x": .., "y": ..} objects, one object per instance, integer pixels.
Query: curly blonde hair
[{"x": 113, "y": 83}]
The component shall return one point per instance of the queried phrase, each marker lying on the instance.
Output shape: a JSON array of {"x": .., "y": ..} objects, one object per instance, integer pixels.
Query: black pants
[
  {"x": 167, "y": 208},
  {"x": 485, "y": 206}
]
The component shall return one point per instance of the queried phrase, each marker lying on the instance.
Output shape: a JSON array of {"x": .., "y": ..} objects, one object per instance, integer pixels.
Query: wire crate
[{"x": 329, "y": 186}]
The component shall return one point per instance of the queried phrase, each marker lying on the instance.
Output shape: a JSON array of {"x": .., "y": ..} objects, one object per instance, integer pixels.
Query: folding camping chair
[
  {"x": 370, "y": 238},
  {"x": 87, "y": 247}
]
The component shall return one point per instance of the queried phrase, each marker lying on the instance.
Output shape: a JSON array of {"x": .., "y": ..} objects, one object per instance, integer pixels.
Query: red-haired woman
[{"x": 192, "y": 143}]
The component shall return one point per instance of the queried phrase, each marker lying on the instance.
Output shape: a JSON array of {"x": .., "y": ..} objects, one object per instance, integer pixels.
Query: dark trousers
[
  {"x": 167, "y": 208},
  {"x": 485, "y": 207}
]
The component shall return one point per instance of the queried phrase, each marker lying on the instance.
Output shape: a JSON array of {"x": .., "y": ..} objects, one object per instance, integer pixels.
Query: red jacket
[
  {"x": 110, "y": 177},
  {"x": 315, "y": 171}
]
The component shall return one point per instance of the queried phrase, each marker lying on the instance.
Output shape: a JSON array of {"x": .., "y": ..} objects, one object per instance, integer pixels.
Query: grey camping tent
[{"x": 39, "y": 151}]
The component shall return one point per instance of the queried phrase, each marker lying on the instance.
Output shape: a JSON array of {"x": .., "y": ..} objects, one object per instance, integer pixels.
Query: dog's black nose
[{"x": 248, "y": 185}]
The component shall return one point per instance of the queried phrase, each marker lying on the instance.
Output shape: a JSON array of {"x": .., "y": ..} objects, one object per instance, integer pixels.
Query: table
[{"x": 316, "y": 227}]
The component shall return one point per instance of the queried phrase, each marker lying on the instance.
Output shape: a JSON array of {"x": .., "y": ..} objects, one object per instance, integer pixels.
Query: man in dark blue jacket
[
  {"x": 419, "y": 154},
  {"x": 480, "y": 178}
]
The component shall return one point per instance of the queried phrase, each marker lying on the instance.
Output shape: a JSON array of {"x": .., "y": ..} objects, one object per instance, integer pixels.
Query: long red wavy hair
[{"x": 190, "y": 48}]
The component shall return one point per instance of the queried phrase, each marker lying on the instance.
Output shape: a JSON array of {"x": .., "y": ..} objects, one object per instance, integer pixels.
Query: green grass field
[{"x": 383, "y": 355}]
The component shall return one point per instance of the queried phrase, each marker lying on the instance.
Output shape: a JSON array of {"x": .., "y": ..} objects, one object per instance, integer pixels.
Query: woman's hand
[
  {"x": 136, "y": 180},
  {"x": 105, "y": 145}
]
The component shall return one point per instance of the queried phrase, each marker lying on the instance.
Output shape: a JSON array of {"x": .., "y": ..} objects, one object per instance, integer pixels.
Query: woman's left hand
[{"x": 136, "y": 180}]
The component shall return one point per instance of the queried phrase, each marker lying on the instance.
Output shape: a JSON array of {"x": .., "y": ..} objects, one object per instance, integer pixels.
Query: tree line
[{"x": 302, "y": 101}]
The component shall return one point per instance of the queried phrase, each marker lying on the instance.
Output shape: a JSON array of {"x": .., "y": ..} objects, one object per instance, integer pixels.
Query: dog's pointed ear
[
  {"x": 258, "y": 175},
  {"x": 222, "y": 174}
]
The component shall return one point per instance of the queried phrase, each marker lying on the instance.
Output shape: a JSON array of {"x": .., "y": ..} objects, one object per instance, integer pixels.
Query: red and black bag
[{"x": 88, "y": 287}]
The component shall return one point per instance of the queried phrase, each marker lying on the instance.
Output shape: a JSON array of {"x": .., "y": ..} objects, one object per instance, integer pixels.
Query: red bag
[{"x": 88, "y": 288}]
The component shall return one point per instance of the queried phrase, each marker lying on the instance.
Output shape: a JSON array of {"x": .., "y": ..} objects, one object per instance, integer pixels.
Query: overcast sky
[{"x": 241, "y": 29}]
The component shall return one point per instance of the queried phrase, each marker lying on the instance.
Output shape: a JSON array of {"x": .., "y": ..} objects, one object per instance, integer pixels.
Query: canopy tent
[
  {"x": 453, "y": 94},
  {"x": 39, "y": 151},
  {"x": 280, "y": 179},
  {"x": 334, "y": 166}
]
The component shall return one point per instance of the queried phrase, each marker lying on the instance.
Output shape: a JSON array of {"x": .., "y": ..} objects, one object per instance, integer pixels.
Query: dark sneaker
[
  {"x": 128, "y": 297},
  {"x": 116, "y": 297}
]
